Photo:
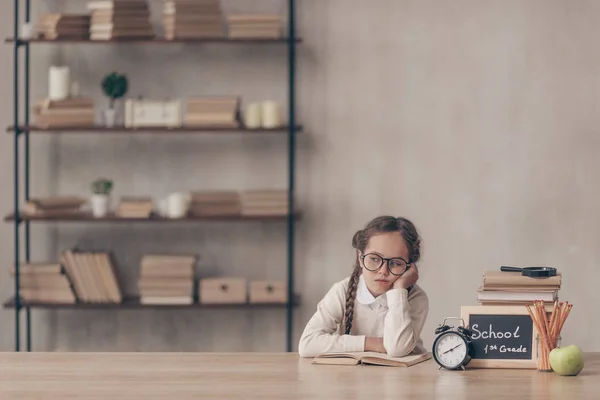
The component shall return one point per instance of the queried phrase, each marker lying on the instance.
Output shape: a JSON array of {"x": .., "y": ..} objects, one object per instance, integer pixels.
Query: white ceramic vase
[
  {"x": 109, "y": 117},
  {"x": 27, "y": 31},
  {"x": 100, "y": 205},
  {"x": 178, "y": 204}
]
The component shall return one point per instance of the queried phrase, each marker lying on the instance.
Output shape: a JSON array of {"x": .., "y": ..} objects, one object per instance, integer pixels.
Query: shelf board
[
  {"x": 134, "y": 303},
  {"x": 88, "y": 217},
  {"x": 157, "y": 40},
  {"x": 143, "y": 130}
]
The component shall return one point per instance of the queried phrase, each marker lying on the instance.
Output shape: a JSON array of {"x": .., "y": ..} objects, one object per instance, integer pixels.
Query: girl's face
[{"x": 385, "y": 245}]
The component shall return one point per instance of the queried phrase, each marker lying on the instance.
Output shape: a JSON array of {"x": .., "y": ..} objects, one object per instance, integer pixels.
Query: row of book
[
  {"x": 181, "y": 19},
  {"x": 268, "y": 202},
  {"x": 215, "y": 203},
  {"x": 90, "y": 277},
  {"x": 512, "y": 288},
  {"x": 70, "y": 112},
  {"x": 52, "y": 206},
  {"x": 200, "y": 111},
  {"x": 84, "y": 276}
]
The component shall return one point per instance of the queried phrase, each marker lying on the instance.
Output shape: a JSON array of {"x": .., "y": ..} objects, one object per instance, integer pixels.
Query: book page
[
  {"x": 369, "y": 357},
  {"x": 384, "y": 359}
]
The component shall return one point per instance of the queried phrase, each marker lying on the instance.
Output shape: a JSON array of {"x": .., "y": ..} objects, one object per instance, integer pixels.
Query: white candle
[
  {"x": 58, "y": 83},
  {"x": 252, "y": 116},
  {"x": 271, "y": 114}
]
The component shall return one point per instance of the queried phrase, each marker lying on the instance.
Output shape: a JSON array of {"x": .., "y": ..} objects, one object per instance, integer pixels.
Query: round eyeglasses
[{"x": 397, "y": 266}]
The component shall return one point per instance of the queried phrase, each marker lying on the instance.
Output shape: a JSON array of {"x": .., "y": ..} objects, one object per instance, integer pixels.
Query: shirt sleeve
[
  {"x": 404, "y": 321},
  {"x": 320, "y": 334}
]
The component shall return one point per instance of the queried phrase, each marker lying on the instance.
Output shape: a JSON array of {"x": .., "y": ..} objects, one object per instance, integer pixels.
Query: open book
[{"x": 369, "y": 357}]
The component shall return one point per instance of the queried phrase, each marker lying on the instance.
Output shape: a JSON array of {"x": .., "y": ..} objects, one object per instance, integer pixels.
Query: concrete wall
[{"x": 477, "y": 120}]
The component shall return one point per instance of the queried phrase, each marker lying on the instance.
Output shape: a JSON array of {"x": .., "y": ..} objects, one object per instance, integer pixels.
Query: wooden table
[{"x": 187, "y": 376}]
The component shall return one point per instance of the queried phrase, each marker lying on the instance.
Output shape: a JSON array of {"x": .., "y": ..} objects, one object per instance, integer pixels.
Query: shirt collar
[{"x": 362, "y": 292}]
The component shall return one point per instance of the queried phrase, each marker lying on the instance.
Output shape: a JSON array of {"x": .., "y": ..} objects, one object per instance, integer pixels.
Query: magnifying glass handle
[{"x": 510, "y": 269}]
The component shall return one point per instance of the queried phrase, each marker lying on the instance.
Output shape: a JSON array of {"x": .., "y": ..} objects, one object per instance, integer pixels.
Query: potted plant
[
  {"x": 101, "y": 189},
  {"x": 114, "y": 87}
]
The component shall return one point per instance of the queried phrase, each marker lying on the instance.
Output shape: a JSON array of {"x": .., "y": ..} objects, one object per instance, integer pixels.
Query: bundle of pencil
[{"x": 548, "y": 328}]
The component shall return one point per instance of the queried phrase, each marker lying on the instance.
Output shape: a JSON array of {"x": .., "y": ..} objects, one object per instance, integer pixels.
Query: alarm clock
[{"x": 452, "y": 348}]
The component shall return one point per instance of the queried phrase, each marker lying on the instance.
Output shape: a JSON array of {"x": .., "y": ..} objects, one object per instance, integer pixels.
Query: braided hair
[{"x": 383, "y": 224}]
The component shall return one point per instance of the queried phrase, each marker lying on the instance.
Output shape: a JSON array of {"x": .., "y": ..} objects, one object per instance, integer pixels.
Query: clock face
[{"x": 450, "y": 350}]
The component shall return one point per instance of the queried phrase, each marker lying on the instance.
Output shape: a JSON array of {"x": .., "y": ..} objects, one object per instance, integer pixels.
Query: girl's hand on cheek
[{"x": 407, "y": 280}]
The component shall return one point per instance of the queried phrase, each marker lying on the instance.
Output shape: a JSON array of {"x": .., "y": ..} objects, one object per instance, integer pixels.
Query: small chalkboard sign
[{"x": 503, "y": 336}]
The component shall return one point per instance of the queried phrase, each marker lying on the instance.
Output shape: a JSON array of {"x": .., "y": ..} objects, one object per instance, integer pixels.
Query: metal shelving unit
[{"x": 23, "y": 129}]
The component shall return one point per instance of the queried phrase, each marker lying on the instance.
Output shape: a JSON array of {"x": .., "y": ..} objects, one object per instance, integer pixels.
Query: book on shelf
[
  {"x": 134, "y": 207},
  {"x": 93, "y": 275},
  {"x": 37, "y": 269},
  {"x": 53, "y": 26},
  {"x": 193, "y": 19},
  {"x": 370, "y": 358},
  {"x": 167, "y": 300},
  {"x": 114, "y": 19},
  {"x": 76, "y": 111},
  {"x": 505, "y": 278},
  {"x": 513, "y": 288},
  {"x": 167, "y": 278},
  {"x": 43, "y": 282},
  {"x": 257, "y": 26},
  {"x": 264, "y": 202},
  {"x": 54, "y": 205},
  {"x": 120, "y": 5},
  {"x": 215, "y": 203},
  {"x": 215, "y": 111}
]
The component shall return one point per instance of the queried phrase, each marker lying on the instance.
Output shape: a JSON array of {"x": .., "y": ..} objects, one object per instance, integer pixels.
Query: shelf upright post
[
  {"x": 16, "y": 173},
  {"x": 26, "y": 132},
  {"x": 291, "y": 169}
]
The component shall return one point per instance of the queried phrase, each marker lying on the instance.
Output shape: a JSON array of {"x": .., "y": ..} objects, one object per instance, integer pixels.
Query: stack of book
[
  {"x": 134, "y": 207},
  {"x": 193, "y": 19},
  {"x": 93, "y": 276},
  {"x": 254, "y": 26},
  {"x": 265, "y": 202},
  {"x": 215, "y": 203},
  {"x": 512, "y": 288},
  {"x": 54, "y": 206},
  {"x": 167, "y": 279},
  {"x": 63, "y": 26},
  {"x": 120, "y": 19},
  {"x": 213, "y": 112},
  {"x": 44, "y": 283},
  {"x": 70, "y": 112}
]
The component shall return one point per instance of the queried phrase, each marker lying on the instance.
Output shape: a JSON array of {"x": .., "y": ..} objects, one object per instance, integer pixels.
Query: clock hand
[{"x": 448, "y": 351}]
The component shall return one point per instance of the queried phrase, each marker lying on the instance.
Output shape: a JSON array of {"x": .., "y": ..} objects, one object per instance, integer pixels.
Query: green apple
[{"x": 566, "y": 360}]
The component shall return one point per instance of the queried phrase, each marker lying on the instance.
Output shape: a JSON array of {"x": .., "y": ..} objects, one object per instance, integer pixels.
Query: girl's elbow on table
[
  {"x": 306, "y": 348},
  {"x": 393, "y": 350}
]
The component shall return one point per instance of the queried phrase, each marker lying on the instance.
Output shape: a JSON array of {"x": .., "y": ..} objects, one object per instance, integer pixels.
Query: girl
[{"x": 379, "y": 307}]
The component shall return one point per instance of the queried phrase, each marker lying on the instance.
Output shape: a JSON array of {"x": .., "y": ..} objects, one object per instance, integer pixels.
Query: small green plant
[
  {"x": 102, "y": 186},
  {"x": 114, "y": 86}
]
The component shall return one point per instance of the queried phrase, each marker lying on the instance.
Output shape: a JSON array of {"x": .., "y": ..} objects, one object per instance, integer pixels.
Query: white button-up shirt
[{"x": 398, "y": 316}]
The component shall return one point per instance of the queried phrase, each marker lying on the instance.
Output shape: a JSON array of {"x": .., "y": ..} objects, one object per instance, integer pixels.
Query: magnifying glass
[{"x": 536, "y": 272}]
